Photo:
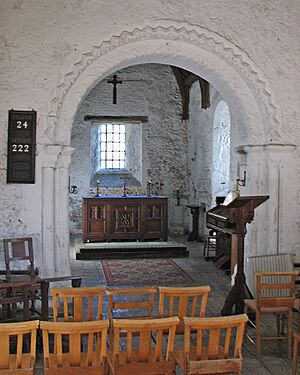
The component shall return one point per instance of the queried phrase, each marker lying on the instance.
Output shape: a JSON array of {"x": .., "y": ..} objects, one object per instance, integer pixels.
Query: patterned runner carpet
[{"x": 144, "y": 272}]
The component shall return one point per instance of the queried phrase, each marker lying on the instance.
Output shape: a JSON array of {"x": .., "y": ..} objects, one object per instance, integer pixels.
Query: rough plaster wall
[
  {"x": 200, "y": 138},
  {"x": 134, "y": 151},
  {"x": 147, "y": 90},
  {"x": 221, "y": 149},
  {"x": 40, "y": 41},
  {"x": 48, "y": 34}
]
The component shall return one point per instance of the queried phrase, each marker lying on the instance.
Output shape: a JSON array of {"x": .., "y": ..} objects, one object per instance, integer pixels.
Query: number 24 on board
[{"x": 21, "y": 125}]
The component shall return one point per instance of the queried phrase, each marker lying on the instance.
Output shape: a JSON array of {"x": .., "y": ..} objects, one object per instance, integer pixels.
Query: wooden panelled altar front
[
  {"x": 109, "y": 218},
  {"x": 232, "y": 219}
]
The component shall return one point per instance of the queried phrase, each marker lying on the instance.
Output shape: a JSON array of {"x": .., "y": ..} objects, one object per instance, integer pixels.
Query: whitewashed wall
[{"x": 53, "y": 53}]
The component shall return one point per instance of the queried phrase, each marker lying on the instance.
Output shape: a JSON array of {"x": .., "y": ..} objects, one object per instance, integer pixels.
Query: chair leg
[
  {"x": 278, "y": 324},
  {"x": 258, "y": 336},
  {"x": 246, "y": 310},
  {"x": 295, "y": 356},
  {"x": 289, "y": 333}
]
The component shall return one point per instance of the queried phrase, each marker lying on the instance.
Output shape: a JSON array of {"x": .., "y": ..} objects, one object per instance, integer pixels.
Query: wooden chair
[
  {"x": 218, "y": 345},
  {"x": 130, "y": 302},
  {"x": 79, "y": 348},
  {"x": 12, "y": 340},
  {"x": 274, "y": 295},
  {"x": 11, "y": 294},
  {"x": 181, "y": 302},
  {"x": 295, "y": 354},
  {"x": 139, "y": 354},
  {"x": 19, "y": 264},
  {"x": 210, "y": 245},
  {"x": 75, "y": 301},
  {"x": 19, "y": 251}
]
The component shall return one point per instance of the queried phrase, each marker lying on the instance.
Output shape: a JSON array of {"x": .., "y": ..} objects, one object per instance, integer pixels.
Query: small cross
[{"x": 115, "y": 81}]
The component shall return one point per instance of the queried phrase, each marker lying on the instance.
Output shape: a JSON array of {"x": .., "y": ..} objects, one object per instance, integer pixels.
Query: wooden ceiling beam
[{"x": 185, "y": 80}]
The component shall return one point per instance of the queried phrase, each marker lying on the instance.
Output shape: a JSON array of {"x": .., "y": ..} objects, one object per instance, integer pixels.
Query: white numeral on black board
[
  {"x": 21, "y": 125},
  {"x": 20, "y": 148}
]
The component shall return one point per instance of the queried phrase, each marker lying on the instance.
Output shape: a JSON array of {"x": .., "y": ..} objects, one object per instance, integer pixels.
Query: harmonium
[{"x": 231, "y": 219}]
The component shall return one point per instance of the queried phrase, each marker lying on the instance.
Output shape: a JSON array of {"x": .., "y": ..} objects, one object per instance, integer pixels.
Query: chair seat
[
  {"x": 251, "y": 303},
  {"x": 297, "y": 304},
  {"x": 25, "y": 364},
  {"x": 83, "y": 361},
  {"x": 122, "y": 357},
  {"x": 179, "y": 354},
  {"x": 136, "y": 366},
  {"x": 219, "y": 365}
]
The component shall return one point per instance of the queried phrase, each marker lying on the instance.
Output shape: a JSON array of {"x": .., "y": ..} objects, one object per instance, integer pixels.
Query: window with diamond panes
[{"x": 112, "y": 146}]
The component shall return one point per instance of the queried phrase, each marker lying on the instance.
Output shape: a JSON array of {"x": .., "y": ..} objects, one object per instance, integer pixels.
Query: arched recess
[
  {"x": 204, "y": 53},
  {"x": 221, "y": 148}
]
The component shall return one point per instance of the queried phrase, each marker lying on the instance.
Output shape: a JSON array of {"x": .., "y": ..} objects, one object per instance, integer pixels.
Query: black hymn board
[{"x": 21, "y": 147}]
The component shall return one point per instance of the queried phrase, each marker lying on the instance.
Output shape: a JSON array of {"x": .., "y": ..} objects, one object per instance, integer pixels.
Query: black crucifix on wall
[{"x": 115, "y": 81}]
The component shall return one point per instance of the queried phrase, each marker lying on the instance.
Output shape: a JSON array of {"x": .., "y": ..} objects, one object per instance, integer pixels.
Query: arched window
[{"x": 221, "y": 148}]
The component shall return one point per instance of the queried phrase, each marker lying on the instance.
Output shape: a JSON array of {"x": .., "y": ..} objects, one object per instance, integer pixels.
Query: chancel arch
[{"x": 255, "y": 119}]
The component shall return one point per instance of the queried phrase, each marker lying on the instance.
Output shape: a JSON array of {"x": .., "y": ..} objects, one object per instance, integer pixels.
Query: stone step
[{"x": 125, "y": 250}]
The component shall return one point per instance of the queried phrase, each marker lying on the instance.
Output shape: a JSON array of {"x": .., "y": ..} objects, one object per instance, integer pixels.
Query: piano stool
[{"x": 210, "y": 246}]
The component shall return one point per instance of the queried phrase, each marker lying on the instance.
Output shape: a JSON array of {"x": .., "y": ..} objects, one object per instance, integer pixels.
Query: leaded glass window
[{"x": 112, "y": 139}]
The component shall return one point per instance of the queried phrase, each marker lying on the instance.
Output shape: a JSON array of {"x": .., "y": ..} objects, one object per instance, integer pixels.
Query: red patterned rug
[{"x": 144, "y": 272}]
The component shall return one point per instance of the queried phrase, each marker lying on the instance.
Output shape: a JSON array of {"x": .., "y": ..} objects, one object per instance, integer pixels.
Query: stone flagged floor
[{"x": 274, "y": 359}]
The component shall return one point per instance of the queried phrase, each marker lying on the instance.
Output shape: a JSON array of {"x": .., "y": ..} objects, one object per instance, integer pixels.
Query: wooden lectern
[{"x": 232, "y": 219}]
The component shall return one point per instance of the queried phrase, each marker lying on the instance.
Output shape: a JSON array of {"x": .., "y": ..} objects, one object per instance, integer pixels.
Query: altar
[{"x": 119, "y": 218}]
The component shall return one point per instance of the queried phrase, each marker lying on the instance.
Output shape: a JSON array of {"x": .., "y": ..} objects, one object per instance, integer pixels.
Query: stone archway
[{"x": 198, "y": 50}]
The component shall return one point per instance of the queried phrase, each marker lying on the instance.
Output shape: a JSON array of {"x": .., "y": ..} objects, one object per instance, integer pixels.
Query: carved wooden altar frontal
[{"x": 125, "y": 218}]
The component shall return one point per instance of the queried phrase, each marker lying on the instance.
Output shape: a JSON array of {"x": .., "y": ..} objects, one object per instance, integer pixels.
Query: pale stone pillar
[
  {"x": 62, "y": 232},
  {"x": 47, "y": 267},
  {"x": 55, "y": 161},
  {"x": 270, "y": 171}
]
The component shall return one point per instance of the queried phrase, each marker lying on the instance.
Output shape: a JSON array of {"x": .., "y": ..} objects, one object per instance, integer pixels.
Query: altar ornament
[
  {"x": 98, "y": 189},
  {"x": 125, "y": 178},
  {"x": 149, "y": 187}
]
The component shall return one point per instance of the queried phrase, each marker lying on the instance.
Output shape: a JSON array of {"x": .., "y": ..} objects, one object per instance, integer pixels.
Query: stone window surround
[{"x": 113, "y": 178}]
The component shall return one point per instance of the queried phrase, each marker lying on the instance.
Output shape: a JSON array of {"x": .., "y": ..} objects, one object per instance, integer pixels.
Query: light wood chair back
[
  {"x": 75, "y": 301},
  {"x": 218, "y": 345},
  {"x": 12, "y": 337},
  {"x": 183, "y": 301},
  {"x": 275, "y": 289},
  {"x": 77, "y": 348},
  {"x": 138, "y": 353},
  {"x": 130, "y": 302}
]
